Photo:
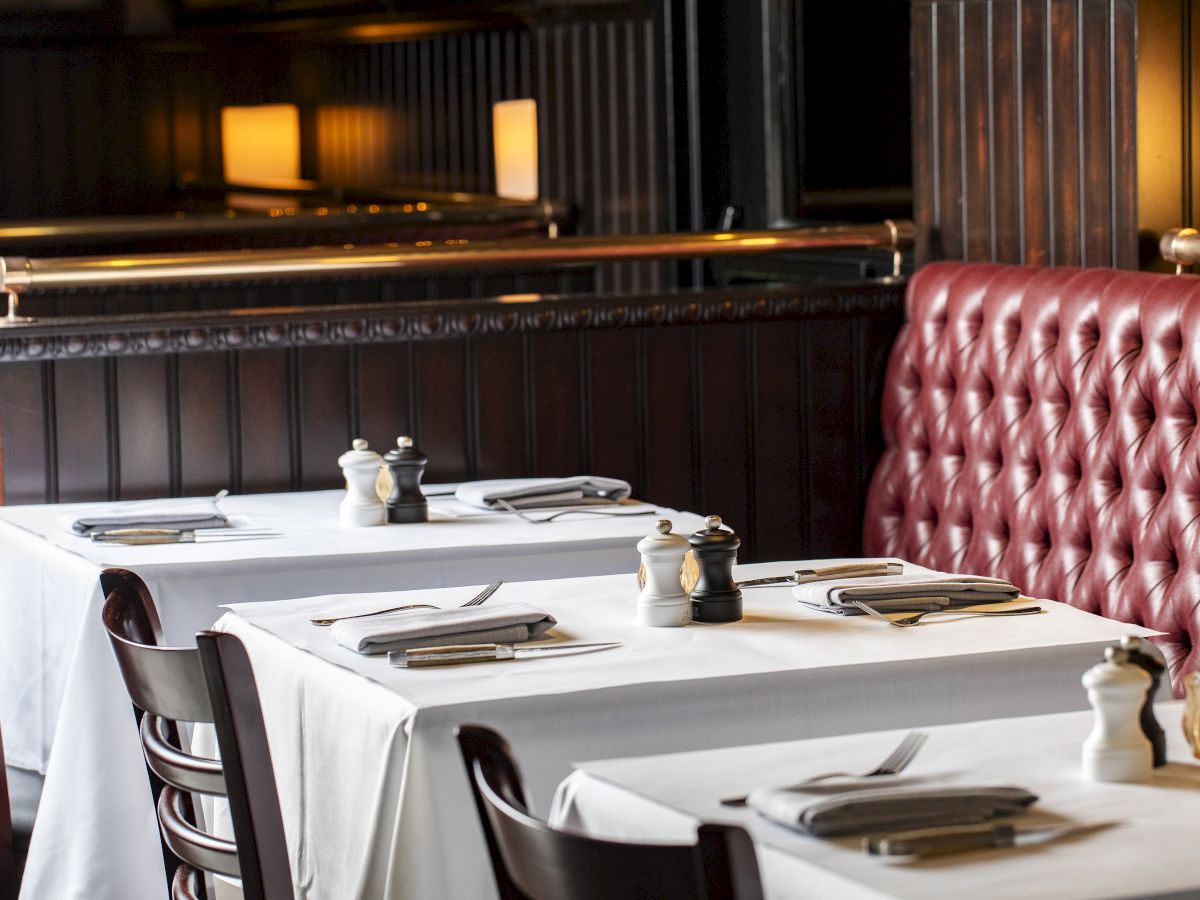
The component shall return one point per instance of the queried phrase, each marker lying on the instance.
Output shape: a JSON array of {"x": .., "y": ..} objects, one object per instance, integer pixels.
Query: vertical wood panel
[
  {"x": 383, "y": 389},
  {"x": 442, "y": 414},
  {"x": 777, "y": 481},
  {"x": 323, "y": 375},
  {"x": 670, "y": 418},
  {"x": 143, "y": 421},
  {"x": 26, "y": 457},
  {"x": 205, "y": 439},
  {"x": 499, "y": 428},
  {"x": 1023, "y": 130},
  {"x": 557, "y": 420},
  {"x": 82, "y": 431},
  {"x": 725, "y": 449},
  {"x": 617, "y": 374},
  {"x": 265, "y": 412}
]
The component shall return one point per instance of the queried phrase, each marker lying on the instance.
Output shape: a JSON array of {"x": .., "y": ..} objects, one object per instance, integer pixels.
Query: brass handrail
[
  {"x": 1180, "y": 246},
  {"x": 25, "y": 274}
]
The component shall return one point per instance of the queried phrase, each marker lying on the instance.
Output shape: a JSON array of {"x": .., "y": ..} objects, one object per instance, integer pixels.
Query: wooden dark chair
[
  {"x": 532, "y": 861},
  {"x": 170, "y": 685}
]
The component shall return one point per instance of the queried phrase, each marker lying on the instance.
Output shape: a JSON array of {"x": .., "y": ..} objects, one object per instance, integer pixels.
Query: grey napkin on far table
[
  {"x": 180, "y": 513},
  {"x": 531, "y": 493},
  {"x": 859, "y": 806},
  {"x": 898, "y": 592},
  {"x": 509, "y": 623}
]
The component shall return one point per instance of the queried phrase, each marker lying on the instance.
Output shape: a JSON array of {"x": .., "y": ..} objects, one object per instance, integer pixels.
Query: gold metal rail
[
  {"x": 1180, "y": 246},
  {"x": 22, "y": 274}
]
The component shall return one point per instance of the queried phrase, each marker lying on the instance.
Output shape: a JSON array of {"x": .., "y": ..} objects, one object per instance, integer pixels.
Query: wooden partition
[{"x": 756, "y": 403}]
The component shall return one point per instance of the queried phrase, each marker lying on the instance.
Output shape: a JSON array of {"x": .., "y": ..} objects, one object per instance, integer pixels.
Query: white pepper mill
[
  {"x": 662, "y": 602},
  {"x": 361, "y": 506},
  {"x": 1117, "y": 749}
]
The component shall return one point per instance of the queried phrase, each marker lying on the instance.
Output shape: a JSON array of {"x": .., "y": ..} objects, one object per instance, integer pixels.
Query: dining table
[
  {"x": 66, "y": 712},
  {"x": 372, "y": 789},
  {"x": 1144, "y": 847}
]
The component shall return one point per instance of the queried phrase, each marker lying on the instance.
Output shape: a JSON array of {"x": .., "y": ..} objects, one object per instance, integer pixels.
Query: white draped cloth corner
[
  {"x": 1149, "y": 853},
  {"x": 58, "y": 677},
  {"x": 374, "y": 797}
]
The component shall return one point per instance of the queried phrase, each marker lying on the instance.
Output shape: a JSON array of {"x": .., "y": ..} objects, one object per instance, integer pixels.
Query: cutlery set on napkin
[
  {"x": 185, "y": 520},
  {"x": 908, "y": 817}
]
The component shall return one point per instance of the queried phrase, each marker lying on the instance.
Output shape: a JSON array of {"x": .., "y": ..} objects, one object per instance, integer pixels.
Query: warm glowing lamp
[
  {"x": 515, "y": 140},
  {"x": 261, "y": 144}
]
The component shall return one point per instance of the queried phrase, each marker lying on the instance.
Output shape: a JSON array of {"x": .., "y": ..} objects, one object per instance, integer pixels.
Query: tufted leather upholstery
[{"x": 1040, "y": 425}]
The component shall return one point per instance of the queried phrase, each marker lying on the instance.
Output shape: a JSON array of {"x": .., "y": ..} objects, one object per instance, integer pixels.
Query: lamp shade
[
  {"x": 260, "y": 144},
  {"x": 515, "y": 143}
]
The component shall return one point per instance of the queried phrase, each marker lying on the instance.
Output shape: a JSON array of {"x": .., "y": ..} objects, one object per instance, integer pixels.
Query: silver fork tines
[
  {"x": 477, "y": 600},
  {"x": 895, "y": 763}
]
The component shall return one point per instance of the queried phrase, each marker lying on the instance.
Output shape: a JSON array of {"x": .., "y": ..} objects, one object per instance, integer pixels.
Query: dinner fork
[
  {"x": 915, "y": 618},
  {"x": 896, "y": 762},
  {"x": 477, "y": 600},
  {"x": 508, "y": 507}
]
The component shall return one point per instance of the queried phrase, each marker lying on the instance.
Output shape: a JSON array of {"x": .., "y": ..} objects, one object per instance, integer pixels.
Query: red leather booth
[{"x": 1040, "y": 425}]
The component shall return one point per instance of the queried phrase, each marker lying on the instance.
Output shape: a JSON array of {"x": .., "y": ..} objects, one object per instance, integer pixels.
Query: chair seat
[{"x": 24, "y": 792}]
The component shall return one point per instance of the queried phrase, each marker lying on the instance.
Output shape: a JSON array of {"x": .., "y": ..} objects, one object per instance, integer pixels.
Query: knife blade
[
  {"x": 179, "y": 535},
  {"x": 473, "y": 653},
  {"x": 828, "y": 573},
  {"x": 958, "y": 838}
]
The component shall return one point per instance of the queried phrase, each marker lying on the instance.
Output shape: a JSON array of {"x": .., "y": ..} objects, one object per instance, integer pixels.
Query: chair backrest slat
[{"x": 249, "y": 774}]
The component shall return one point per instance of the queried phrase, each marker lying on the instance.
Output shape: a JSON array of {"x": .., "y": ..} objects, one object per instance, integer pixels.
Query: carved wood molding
[{"x": 243, "y": 329}]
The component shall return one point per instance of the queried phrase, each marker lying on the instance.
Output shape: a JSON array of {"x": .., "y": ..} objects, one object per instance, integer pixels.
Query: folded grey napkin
[
  {"x": 509, "y": 623},
  {"x": 531, "y": 493},
  {"x": 181, "y": 513},
  {"x": 896, "y": 592},
  {"x": 858, "y": 806}
]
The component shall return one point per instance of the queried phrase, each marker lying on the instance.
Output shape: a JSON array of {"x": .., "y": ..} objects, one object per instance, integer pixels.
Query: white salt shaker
[
  {"x": 662, "y": 602},
  {"x": 1117, "y": 749},
  {"x": 361, "y": 506}
]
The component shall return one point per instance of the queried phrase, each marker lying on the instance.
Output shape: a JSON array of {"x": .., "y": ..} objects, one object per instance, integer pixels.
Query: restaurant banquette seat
[{"x": 1040, "y": 426}]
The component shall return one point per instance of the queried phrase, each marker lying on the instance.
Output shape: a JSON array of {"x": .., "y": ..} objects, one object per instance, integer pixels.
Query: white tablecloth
[
  {"x": 59, "y": 682},
  {"x": 372, "y": 790},
  {"x": 1152, "y": 852}
]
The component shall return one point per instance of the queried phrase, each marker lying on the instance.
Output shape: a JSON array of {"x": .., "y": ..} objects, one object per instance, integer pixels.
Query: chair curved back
[
  {"x": 532, "y": 861},
  {"x": 249, "y": 774},
  {"x": 164, "y": 681}
]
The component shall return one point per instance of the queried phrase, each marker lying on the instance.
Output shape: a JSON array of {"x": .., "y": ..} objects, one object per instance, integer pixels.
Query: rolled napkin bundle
[
  {"x": 508, "y": 624},
  {"x": 532, "y": 493},
  {"x": 183, "y": 513},
  {"x": 859, "y": 806},
  {"x": 902, "y": 592}
]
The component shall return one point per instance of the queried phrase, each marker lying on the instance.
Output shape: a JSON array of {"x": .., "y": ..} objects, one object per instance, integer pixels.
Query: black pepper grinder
[
  {"x": 716, "y": 597},
  {"x": 1143, "y": 653},
  {"x": 406, "y": 503}
]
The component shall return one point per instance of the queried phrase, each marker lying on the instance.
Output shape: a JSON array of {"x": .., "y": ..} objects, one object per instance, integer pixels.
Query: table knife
[
  {"x": 829, "y": 573},
  {"x": 179, "y": 536},
  {"x": 957, "y": 838},
  {"x": 473, "y": 653}
]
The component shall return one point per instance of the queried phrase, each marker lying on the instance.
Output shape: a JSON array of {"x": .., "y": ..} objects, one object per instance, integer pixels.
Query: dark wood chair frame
[
  {"x": 532, "y": 861},
  {"x": 209, "y": 683}
]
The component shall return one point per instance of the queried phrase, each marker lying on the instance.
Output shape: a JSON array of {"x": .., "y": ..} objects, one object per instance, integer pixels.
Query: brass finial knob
[
  {"x": 712, "y": 523},
  {"x": 663, "y": 526},
  {"x": 359, "y": 444},
  {"x": 404, "y": 442}
]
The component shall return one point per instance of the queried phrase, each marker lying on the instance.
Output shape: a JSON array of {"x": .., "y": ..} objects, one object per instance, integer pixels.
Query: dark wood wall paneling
[
  {"x": 1024, "y": 130},
  {"x": 758, "y": 404}
]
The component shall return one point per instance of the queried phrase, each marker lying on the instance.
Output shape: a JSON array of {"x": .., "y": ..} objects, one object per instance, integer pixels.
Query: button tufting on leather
[{"x": 1103, "y": 371}]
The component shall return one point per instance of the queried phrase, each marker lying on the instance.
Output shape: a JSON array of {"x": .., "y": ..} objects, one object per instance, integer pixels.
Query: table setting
[
  {"x": 64, "y": 707},
  {"x": 375, "y": 803},
  {"x": 1003, "y": 808}
]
